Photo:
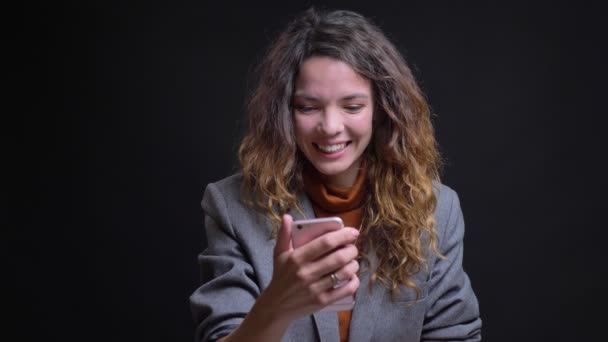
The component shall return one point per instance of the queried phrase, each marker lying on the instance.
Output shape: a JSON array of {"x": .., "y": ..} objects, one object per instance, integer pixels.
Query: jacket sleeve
[
  {"x": 453, "y": 311},
  {"x": 228, "y": 290}
]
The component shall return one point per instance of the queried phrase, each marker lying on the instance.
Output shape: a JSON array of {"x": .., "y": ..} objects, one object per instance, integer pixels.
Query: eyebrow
[{"x": 345, "y": 98}]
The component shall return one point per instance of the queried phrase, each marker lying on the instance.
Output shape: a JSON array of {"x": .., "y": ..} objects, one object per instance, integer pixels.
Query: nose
[{"x": 331, "y": 122}]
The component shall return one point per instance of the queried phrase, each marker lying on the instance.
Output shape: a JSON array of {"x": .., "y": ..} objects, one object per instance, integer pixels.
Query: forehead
[{"x": 328, "y": 78}]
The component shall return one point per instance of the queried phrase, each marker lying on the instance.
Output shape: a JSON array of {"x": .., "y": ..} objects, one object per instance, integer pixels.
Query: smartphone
[{"x": 304, "y": 231}]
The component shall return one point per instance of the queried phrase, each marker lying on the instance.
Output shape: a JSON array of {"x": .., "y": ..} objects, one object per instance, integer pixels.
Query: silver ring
[{"x": 335, "y": 280}]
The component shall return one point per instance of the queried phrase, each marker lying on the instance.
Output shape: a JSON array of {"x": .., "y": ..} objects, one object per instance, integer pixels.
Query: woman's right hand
[{"x": 301, "y": 283}]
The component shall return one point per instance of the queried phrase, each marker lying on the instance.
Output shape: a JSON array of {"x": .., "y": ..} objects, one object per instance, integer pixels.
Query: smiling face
[{"x": 333, "y": 110}]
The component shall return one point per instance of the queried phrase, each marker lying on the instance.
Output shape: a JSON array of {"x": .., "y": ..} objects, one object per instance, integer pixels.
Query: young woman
[{"x": 337, "y": 127}]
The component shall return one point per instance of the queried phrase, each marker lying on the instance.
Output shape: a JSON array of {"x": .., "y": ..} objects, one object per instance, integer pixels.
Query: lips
[{"x": 331, "y": 148}]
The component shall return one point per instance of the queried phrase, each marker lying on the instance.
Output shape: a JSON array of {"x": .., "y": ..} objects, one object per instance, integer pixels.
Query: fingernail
[{"x": 355, "y": 232}]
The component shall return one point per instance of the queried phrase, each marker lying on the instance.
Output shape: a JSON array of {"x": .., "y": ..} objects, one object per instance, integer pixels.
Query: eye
[
  {"x": 353, "y": 108},
  {"x": 305, "y": 109}
]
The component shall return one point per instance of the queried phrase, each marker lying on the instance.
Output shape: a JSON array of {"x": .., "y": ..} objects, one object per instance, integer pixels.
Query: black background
[{"x": 129, "y": 109}]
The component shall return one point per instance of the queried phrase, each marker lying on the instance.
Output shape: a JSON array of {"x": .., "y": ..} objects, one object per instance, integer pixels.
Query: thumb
[{"x": 284, "y": 236}]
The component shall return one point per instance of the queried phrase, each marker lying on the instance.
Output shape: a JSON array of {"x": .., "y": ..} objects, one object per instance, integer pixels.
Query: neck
[{"x": 344, "y": 180}]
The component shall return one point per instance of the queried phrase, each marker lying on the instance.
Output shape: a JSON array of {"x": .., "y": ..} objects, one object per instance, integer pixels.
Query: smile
[{"x": 331, "y": 148}]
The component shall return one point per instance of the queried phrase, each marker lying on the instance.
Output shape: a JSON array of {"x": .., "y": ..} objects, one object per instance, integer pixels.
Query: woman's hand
[{"x": 301, "y": 283}]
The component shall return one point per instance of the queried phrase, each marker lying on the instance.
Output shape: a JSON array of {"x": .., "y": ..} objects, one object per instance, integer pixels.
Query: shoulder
[
  {"x": 230, "y": 181},
  {"x": 227, "y": 191},
  {"x": 448, "y": 214},
  {"x": 447, "y": 200},
  {"x": 223, "y": 203},
  {"x": 228, "y": 185}
]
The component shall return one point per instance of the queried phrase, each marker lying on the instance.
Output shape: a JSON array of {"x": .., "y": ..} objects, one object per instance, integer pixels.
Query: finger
[
  {"x": 342, "y": 276},
  {"x": 348, "y": 289},
  {"x": 336, "y": 260},
  {"x": 284, "y": 236},
  {"x": 326, "y": 243},
  {"x": 333, "y": 295}
]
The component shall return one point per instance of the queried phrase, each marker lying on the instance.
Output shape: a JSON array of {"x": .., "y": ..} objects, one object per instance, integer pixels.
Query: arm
[
  {"x": 228, "y": 289},
  {"x": 264, "y": 322},
  {"x": 231, "y": 305},
  {"x": 453, "y": 312}
]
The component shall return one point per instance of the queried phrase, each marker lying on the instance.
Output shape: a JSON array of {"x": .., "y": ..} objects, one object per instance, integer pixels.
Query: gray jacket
[{"x": 237, "y": 265}]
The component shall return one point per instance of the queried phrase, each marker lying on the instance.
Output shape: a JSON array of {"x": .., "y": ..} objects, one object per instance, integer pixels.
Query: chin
[{"x": 330, "y": 170}]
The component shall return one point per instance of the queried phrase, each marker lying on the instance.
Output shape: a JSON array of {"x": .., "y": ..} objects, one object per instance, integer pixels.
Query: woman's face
[{"x": 333, "y": 110}]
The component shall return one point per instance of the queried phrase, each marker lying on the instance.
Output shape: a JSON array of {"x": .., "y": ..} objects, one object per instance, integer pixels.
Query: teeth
[{"x": 332, "y": 148}]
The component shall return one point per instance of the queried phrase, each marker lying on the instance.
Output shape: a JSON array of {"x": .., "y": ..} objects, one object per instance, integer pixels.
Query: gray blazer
[{"x": 237, "y": 265}]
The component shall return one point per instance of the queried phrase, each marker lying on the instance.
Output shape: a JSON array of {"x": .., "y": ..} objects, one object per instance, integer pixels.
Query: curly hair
[{"x": 402, "y": 158}]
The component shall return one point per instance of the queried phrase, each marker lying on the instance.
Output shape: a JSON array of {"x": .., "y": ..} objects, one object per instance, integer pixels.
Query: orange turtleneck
[{"x": 346, "y": 203}]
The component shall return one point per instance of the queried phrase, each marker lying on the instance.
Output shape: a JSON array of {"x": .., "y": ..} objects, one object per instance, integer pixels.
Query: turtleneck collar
[{"x": 332, "y": 199}]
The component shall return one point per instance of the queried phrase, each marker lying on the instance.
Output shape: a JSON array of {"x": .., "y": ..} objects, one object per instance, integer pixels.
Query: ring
[{"x": 335, "y": 280}]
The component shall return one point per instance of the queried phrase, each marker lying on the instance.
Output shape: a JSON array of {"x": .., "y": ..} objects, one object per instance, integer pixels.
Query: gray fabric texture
[{"x": 238, "y": 261}]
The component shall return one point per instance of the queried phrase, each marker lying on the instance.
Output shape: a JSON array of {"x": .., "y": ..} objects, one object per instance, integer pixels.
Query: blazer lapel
[
  {"x": 327, "y": 326},
  {"x": 306, "y": 207},
  {"x": 368, "y": 306}
]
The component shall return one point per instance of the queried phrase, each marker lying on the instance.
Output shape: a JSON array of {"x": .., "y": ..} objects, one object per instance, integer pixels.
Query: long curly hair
[{"x": 402, "y": 157}]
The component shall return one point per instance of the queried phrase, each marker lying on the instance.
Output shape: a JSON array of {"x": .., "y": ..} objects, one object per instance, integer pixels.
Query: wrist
[
  {"x": 266, "y": 312},
  {"x": 263, "y": 323}
]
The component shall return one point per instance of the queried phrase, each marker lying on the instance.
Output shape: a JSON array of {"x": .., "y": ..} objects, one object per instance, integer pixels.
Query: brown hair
[{"x": 402, "y": 158}]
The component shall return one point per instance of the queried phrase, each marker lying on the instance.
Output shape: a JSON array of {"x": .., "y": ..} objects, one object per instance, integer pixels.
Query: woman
[{"x": 337, "y": 127}]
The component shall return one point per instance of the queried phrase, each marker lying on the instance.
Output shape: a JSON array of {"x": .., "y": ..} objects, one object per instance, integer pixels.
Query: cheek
[
  {"x": 363, "y": 127},
  {"x": 303, "y": 129}
]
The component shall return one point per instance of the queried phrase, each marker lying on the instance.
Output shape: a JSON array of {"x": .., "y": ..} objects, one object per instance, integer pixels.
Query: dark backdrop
[{"x": 131, "y": 109}]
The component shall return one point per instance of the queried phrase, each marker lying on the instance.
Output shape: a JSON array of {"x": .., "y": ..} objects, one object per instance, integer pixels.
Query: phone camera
[{"x": 299, "y": 226}]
